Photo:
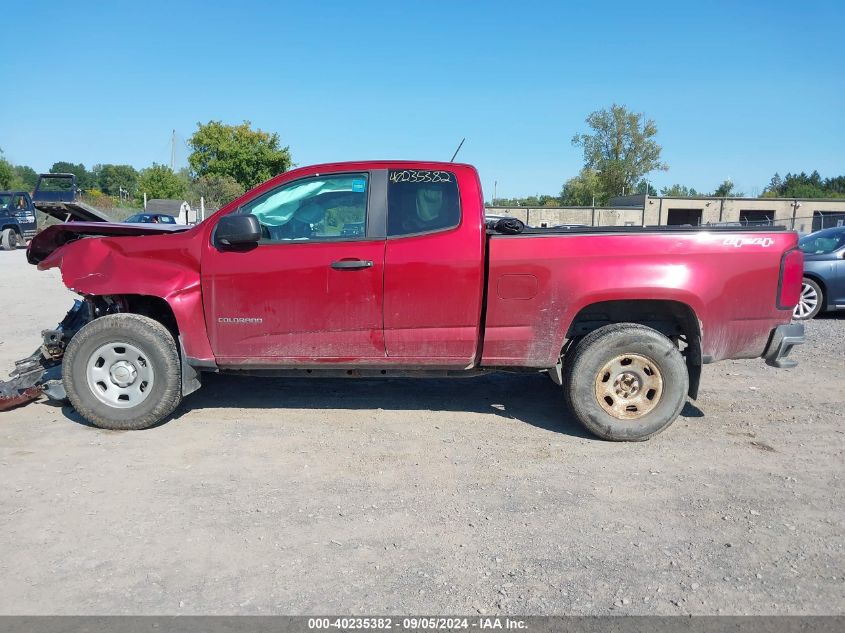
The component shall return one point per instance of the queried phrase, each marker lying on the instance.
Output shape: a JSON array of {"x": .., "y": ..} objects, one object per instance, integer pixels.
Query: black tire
[
  {"x": 810, "y": 291},
  {"x": 586, "y": 377},
  {"x": 159, "y": 357},
  {"x": 9, "y": 239}
]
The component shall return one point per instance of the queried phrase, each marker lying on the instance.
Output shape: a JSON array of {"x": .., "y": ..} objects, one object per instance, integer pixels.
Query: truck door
[
  {"x": 434, "y": 267},
  {"x": 311, "y": 290},
  {"x": 25, "y": 214},
  {"x": 837, "y": 289}
]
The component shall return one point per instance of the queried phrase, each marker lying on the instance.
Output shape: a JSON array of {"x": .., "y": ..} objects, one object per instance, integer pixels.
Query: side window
[
  {"x": 331, "y": 207},
  {"x": 20, "y": 203},
  {"x": 421, "y": 201}
]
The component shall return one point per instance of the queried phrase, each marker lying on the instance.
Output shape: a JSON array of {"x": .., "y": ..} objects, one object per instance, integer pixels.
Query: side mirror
[{"x": 237, "y": 230}]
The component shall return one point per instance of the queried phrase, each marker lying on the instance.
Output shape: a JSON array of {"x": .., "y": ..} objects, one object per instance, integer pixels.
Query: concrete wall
[
  {"x": 791, "y": 213},
  {"x": 552, "y": 216}
]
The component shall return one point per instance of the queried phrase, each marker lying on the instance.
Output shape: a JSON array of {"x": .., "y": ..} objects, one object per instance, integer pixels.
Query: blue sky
[{"x": 738, "y": 89}]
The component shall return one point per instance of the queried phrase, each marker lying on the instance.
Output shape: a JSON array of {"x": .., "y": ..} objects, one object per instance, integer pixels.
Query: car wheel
[
  {"x": 123, "y": 372},
  {"x": 626, "y": 382},
  {"x": 810, "y": 302},
  {"x": 9, "y": 240}
]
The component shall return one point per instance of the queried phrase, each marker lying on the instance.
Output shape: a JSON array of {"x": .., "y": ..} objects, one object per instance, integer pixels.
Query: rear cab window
[{"x": 422, "y": 201}]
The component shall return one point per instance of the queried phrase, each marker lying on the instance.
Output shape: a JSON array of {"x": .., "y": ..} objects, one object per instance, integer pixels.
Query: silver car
[{"x": 823, "y": 287}]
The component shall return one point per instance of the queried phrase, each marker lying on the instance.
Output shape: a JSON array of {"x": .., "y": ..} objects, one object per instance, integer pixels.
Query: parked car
[
  {"x": 17, "y": 219},
  {"x": 150, "y": 218},
  {"x": 428, "y": 290},
  {"x": 823, "y": 286}
]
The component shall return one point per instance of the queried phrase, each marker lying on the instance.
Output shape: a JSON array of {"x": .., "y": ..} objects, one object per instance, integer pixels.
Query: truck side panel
[
  {"x": 433, "y": 287},
  {"x": 539, "y": 283},
  {"x": 164, "y": 266}
]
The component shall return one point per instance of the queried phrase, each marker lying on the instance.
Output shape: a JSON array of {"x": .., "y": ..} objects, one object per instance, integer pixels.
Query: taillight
[{"x": 791, "y": 274}]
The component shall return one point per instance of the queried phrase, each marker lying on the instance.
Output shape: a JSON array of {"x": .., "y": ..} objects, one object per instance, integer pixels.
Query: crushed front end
[{"x": 41, "y": 372}]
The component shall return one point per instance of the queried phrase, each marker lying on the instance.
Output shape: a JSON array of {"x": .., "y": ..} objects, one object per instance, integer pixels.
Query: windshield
[{"x": 822, "y": 242}]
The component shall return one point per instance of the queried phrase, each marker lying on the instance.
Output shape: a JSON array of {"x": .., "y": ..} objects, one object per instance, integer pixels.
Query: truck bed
[
  {"x": 67, "y": 211},
  {"x": 581, "y": 230},
  {"x": 542, "y": 281}
]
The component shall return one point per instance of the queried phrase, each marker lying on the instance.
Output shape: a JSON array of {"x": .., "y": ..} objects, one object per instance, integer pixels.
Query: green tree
[
  {"x": 84, "y": 178},
  {"x": 27, "y": 176},
  {"x": 620, "y": 148},
  {"x": 159, "y": 181},
  {"x": 584, "y": 190},
  {"x": 726, "y": 190},
  {"x": 644, "y": 186},
  {"x": 679, "y": 191},
  {"x": 216, "y": 191},
  {"x": 112, "y": 178},
  {"x": 805, "y": 185},
  {"x": 835, "y": 186},
  {"x": 249, "y": 156},
  {"x": 18, "y": 177},
  {"x": 7, "y": 173}
]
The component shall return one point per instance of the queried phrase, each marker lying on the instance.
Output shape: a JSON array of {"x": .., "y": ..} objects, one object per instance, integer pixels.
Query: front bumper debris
[
  {"x": 783, "y": 339},
  {"x": 41, "y": 372}
]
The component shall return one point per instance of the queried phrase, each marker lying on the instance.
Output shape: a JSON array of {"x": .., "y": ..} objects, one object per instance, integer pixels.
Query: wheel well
[
  {"x": 819, "y": 281},
  {"x": 12, "y": 226},
  {"x": 155, "y": 308},
  {"x": 673, "y": 319}
]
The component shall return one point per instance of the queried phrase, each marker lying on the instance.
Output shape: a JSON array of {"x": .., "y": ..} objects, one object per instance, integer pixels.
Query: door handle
[{"x": 352, "y": 264}]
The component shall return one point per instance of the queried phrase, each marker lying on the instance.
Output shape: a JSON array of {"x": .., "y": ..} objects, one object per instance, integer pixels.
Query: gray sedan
[{"x": 823, "y": 287}]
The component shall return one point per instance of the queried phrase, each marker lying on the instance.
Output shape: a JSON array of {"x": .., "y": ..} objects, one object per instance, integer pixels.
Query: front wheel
[
  {"x": 123, "y": 372},
  {"x": 810, "y": 302},
  {"x": 9, "y": 239},
  {"x": 626, "y": 382}
]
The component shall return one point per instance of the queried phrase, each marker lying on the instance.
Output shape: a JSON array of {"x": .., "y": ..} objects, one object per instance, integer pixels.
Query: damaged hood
[{"x": 56, "y": 236}]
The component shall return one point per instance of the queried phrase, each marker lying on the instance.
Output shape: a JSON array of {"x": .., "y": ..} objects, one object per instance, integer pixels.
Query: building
[{"x": 803, "y": 215}]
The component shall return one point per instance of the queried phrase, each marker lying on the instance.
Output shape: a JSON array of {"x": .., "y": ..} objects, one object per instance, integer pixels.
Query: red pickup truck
[{"x": 388, "y": 268}]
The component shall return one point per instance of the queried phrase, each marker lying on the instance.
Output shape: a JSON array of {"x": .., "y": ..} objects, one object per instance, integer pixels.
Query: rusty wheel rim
[{"x": 629, "y": 386}]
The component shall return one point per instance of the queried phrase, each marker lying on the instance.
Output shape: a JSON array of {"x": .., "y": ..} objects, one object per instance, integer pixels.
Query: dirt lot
[{"x": 480, "y": 495}]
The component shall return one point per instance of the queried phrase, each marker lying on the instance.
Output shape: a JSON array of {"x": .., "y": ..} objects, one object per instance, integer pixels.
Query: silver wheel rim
[
  {"x": 120, "y": 375},
  {"x": 807, "y": 302}
]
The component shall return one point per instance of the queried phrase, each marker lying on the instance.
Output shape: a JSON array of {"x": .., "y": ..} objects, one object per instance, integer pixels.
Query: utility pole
[
  {"x": 173, "y": 151},
  {"x": 495, "y": 184}
]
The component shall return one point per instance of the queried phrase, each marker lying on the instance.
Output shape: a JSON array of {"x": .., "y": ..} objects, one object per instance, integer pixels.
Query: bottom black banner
[{"x": 532, "y": 624}]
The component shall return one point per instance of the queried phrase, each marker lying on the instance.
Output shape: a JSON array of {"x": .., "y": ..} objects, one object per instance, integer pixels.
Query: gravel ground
[{"x": 399, "y": 496}]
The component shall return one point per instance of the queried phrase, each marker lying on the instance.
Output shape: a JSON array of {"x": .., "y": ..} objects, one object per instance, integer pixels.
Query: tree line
[
  {"x": 225, "y": 161},
  {"x": 619, "y": 150}
]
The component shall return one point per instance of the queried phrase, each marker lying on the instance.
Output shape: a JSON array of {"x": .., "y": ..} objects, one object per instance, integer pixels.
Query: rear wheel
[
  {"x": 123, "y": 371},
  {"x": 810, "y": 302},
  {"x": 9, "y": 239},
  {"x": 625, "y": 382}
]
